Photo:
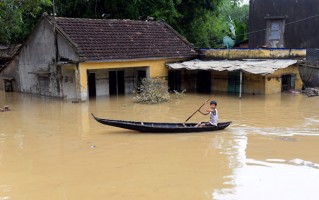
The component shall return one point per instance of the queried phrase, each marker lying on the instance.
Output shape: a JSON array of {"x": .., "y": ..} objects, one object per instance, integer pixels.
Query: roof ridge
[
  {"x": 92, "y": 19},
  {"x": 123, "y": 39}
]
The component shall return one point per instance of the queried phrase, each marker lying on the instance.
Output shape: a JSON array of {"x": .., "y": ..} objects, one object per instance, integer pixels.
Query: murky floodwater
[{"x": 50, "y": 149}]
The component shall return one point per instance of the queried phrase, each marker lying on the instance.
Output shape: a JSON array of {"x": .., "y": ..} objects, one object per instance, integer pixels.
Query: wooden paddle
[{"x": 197, "y": 110}]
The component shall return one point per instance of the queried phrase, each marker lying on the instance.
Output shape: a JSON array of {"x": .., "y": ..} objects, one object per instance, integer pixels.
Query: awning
[{"x": 262, "y": 67}]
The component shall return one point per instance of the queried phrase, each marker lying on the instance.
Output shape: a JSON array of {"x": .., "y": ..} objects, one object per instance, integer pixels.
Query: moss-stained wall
[
  {"x": 254, "y": 84},
  {"x": 258, "y": 84},
  {"x": 251, "y": 83},
  {"x": 274, "y": 82},
  {"x": 237, "y": 54},
  {"x": 220, "y": 81}
]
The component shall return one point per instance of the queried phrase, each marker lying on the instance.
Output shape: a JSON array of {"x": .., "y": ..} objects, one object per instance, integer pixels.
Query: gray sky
[{"x": 246, "y": 2}]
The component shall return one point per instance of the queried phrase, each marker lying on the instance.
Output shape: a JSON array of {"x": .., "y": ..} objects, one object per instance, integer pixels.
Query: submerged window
[{"x": 44, "y": 83}]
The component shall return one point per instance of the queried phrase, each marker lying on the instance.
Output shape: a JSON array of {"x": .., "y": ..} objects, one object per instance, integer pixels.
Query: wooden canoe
[{"x": 153, "y": 127}]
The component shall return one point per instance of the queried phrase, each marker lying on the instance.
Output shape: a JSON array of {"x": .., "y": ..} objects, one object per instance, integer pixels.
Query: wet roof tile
[{"x": 110, "y": 39}]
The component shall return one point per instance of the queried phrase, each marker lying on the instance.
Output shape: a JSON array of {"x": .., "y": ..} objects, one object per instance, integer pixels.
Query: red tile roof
[{"x": 111, "y": 39}]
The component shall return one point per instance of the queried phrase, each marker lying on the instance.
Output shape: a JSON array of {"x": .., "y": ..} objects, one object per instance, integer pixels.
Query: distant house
[
  {"x": 92, "y": 57},
  {"x": 7, "y": 52},
  {"x": 238, "y": 71},
  {"x": 284, "y": 23}
]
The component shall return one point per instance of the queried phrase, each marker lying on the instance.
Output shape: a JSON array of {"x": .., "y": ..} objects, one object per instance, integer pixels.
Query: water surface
[{"x": 53, "y": 149}]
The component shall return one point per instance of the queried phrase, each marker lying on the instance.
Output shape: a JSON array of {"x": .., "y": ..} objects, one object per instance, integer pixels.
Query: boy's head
[{"x": 213, "y": 104}]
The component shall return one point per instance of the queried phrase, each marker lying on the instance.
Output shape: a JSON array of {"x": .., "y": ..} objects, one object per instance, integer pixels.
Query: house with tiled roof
[
  {"x": 7, "y": 52},
  {"x": 75, "y": 58}
]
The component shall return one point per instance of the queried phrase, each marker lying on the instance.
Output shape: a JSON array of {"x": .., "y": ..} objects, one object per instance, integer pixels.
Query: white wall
[
  {"x": 69, "y": 84},
  {"x": 102, "y": 82},
  {"x": 38, "y": 54}
]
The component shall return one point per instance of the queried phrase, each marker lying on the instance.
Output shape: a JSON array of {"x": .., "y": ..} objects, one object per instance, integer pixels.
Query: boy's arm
[
  {"x": 208, "y": 109},
  {"x": 203, "y": 112}
]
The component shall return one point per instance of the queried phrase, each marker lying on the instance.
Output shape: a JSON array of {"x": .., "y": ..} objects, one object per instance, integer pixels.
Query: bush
[{"x": 151, "y": 91}]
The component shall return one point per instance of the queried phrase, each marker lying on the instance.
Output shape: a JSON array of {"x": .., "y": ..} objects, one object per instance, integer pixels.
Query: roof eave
[
  {"x": 63, "y": 34},
  {"x": 139, "y": 59},
  {"x": 179, "y": 35}
]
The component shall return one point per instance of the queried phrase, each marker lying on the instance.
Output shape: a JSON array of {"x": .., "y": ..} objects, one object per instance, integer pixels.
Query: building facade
[
  {"x": 238, "y": 71},
  {"x": 283, "y": 24},
  {"x": 76, "y": 58}
]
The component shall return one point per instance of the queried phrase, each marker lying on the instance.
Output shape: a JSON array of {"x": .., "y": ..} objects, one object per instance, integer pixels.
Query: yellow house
[
  {"x": 254, "y": 71},
  {"x": 76, "y": 58}
]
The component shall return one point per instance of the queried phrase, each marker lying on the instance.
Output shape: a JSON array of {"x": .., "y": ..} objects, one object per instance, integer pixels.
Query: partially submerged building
[
  {"x": 288, "y": 24},
  {"x": 77, "y": 58},
  {"x": 7, "y": 52},
  {"x": 254, "y": 71}
]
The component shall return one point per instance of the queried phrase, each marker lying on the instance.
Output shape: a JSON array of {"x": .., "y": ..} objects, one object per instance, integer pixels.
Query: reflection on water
[{"x": 52, "y": 149}]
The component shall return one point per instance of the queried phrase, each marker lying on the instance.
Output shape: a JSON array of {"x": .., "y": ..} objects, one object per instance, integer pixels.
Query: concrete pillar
[{"x": 81, "y": 83}]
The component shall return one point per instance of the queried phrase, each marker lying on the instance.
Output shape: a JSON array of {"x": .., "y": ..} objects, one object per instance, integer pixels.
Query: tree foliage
[
  {"x": 17, "y": 18},
  {"x": 202, "y": 22}
]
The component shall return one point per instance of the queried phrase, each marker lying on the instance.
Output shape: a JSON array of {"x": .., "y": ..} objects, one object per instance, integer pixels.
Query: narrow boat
[{"x": 153, "y": 127}]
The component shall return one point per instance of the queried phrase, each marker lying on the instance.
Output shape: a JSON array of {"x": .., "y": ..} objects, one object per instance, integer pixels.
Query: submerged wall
[
  {"x": 274, "y": 81},
  {"x": 220, "y": 81},
  {"x": 33, "y": 69},
  {"x": 155, "y": 68},
  {"x": 252, "y": 83}
]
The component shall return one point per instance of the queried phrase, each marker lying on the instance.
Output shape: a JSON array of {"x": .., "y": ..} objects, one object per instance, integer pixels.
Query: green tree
[
  {"x": 237, "y": 14},
  {"x": 17, "y": 17},
  {"x": 202, "y": 22}
]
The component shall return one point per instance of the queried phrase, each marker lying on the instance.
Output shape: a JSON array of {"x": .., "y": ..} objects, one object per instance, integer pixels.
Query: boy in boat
[{"x": 213, "y": 112}]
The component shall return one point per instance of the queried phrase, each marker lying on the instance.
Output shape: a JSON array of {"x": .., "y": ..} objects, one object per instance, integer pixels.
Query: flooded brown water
[{"x": 52, "y": 149}]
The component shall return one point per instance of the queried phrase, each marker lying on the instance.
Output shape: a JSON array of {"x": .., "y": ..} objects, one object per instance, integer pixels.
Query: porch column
[
  {"x": 81, "y": 83},
  {"x": 240, "y": 83}
]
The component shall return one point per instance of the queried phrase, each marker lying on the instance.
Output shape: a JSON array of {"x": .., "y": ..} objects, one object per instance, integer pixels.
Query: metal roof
[{"x": 262, "y": 67}]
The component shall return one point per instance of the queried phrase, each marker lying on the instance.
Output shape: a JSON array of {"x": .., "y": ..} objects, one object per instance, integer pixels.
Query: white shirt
[{"x": 213, "y": 117}]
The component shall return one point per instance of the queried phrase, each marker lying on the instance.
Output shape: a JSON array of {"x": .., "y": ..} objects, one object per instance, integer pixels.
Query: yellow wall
[
  {"x": 220, "y": 81},
  {"x": 273, "y": 81},
  {"x": 254, "y": 53},
  {"x": 156, "y": 68},
  {"x": 258, "y": 84},
  {"x": 254, "y": 84}
]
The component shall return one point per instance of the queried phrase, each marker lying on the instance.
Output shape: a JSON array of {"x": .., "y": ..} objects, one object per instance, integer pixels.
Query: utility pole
[
  {"x": 57, "y": 68},
  {"x": 55, "y": 33}
]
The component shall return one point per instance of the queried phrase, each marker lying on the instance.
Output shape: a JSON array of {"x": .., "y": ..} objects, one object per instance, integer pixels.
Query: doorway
[
  {"x": 92, "y": 84},
  {"x": 141, "y": 74},
  {"x": 8, "y": 86},
  {"x": 174, "y": 80},
  {"x": 287, "y": 82},
  {"x": 204, "y": 81},
  {"x": 116, "y": 82}
]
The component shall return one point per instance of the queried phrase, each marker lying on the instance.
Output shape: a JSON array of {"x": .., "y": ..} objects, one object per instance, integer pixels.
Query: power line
[
  {"x": 260, "y": 30},
  {"x": 293, "y": 22}
]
